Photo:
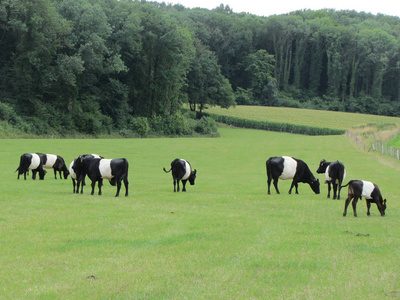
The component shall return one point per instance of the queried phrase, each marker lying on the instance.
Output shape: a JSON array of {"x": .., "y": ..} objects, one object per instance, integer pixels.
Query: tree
[{"x": 206, "y": 84}]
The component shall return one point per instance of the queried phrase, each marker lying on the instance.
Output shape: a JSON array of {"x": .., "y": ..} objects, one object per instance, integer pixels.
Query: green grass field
[
  {"x": 307, "y": 117},
  {"x": 225, "y": 238}
]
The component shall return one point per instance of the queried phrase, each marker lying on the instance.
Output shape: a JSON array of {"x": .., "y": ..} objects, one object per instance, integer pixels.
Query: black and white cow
[
  {"x": 31, "y": 161},
  {"x": 335, "y": 174},
  {"x": 56, "y": 162},
  {"x": 97, "y": 169},
  {"x": 368, "y": 190},
  {"x": 76, "y": 175},
  {"x": 181, "y": 171},
  {"x": 285, "y": 167}
]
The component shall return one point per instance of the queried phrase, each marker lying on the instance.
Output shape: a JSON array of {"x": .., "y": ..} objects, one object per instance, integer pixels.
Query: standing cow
[
  {"x": 56, "y": 162},
  {"x": 285, "y": 167},
  {"x": 368, "y": 190},
  {"x": 97, "y": 169},
  {"x": 31, "y": 161},
  {"x": 181, "y": 171},
  {"x": 76, "y": 175},
  {"x": 335, "y": 174}
]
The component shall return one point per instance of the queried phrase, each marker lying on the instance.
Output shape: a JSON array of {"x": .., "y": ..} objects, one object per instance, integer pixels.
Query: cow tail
[
  {"x": 167, "y": 171},
  {"x": 346, "y": 184}
]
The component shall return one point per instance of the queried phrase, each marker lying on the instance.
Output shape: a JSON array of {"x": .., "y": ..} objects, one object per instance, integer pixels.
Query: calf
[
  {"x": 181, "y": 171},
  {"x": 335, "y": 173},
  {"x": 368, "y": 190},
  {"x": 97, "y": 169},
  {"x": 285, "y": 167},
  {"x": 77, "y": 174},
  {"x": 56, "y": 162},
  {"x": 31, "y": 161}
]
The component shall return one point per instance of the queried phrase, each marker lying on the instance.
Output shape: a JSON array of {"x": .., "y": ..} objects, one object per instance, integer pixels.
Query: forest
[{"x": 127, "y": 67}]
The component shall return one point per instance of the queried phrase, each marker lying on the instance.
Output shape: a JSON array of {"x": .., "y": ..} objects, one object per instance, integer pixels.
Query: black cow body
[
  {"x": 368, "y": 190},
  {"x": 335, "y": 174},
  {"x": 76, "y": 171},
  {"x": 181, "y": 171},
  {"x": 31, "y": 161},
  {"x": 285, "y": 167},
  {"x": 97, "y": 169},
  {"x": 55, "y": 162}
]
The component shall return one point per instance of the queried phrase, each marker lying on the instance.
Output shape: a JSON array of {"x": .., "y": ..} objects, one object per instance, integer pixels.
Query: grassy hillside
[
  {"x": 222, "y": 239},
  {"x": 308, "y": 117}
]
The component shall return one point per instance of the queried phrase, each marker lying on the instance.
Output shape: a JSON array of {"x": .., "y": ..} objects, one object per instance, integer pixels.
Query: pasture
[
  {"x": 306, "y": 117},
  {"x": 225, "y": 238}
]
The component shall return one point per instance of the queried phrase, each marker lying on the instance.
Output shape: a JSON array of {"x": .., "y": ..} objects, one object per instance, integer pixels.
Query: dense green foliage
[{"x": 96, "y": 66}]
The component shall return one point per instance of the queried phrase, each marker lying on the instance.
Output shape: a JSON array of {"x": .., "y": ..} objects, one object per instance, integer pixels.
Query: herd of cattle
[{"x": 98, "y": 168}]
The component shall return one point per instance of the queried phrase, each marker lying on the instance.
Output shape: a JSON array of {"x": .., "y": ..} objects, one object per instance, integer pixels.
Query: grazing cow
[
  {"x": 76, "y": 175},
  {"x": 335, "y": 173},
  {"x": 181, "y": 171},
  {"x": 368, "y": 190},
  {"x": 31, "y": 161},
  {"x": 285, "y": 167},
  {"x": 56, "y": 162},
  {"x": 97, "y": 169}
]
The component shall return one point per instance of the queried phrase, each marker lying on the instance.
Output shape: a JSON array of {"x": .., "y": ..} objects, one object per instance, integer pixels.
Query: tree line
[{"x": 103, "y": 66}]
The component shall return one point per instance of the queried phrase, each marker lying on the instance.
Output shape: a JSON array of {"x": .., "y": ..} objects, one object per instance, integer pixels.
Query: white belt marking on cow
[
  {"x": 327, "y": 174},
  {"x": 367, "y": 189},
  {"x": 51, "y": 160},
  {"x": 71, "y": 171},
  {"x": 105, "y": 168},
  {"x": 188, "y": 170},
  {"x": 289, "y": 168},
  {"x": 35, "y": 162}
]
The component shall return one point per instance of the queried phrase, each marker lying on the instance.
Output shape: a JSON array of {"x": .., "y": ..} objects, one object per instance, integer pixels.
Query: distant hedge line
[{"x": 274, "y": 126}]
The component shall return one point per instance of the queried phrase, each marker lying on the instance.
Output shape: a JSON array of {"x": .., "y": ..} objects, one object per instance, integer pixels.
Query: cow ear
[{"x": 384, "y": 202}]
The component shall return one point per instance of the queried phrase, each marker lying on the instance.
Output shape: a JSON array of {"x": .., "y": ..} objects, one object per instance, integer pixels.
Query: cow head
[
  {"x": 322, "y": 166},
  {"x": 192, "y": 177},
  {"x": 383, "y": 204},
  {"x": 42, "y": 173},
  {"x": 315, "y": 185}
]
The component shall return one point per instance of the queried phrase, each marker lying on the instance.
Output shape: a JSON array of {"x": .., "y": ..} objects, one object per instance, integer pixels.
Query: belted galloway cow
[
  {"x": 97, "y": 169},
  {"x": 335, "y": 173},
  {"x": 285, "y": 167},
  {"x": 368, "y": 190},
  {"x": 56, "y": 162},
  {"x": 31, "y": 161},
  {"x": 181, "y": 171}
]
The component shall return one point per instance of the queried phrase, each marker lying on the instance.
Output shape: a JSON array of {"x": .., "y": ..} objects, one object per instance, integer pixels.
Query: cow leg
[
  {"x": 368, "y": 206},
  {"x": 276, "y": 186},
  {"x": 335, "y": 186},
  {"x": 349, "y": 197},
  {"x": 329, "y": 190},
  {"x": 174, "y": 185},
  {"x": 184, "y": 185},
  {"x": 100, "y": 185},
  {"x": 55, "y": 173},
  {"x": 93, "y": 185},
  {"x": 294, "y": 184},
  {"x": 34, "y": 174},
  {"x": 73, "y": 184},
  {"x": 354, "y": 204},
  {"x": 118, "y": 187},
  {"x": 269, "y": 184},
  {"x": 177, "y": 183},
  {"x": 126, "y": 183}
]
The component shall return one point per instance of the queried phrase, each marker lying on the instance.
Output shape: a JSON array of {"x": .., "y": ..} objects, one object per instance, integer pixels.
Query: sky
[{"x": 277, "y": 7}]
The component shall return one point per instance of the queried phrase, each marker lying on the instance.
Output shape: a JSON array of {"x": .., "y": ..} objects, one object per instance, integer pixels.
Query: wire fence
[{"x": 377, "y": 146}]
